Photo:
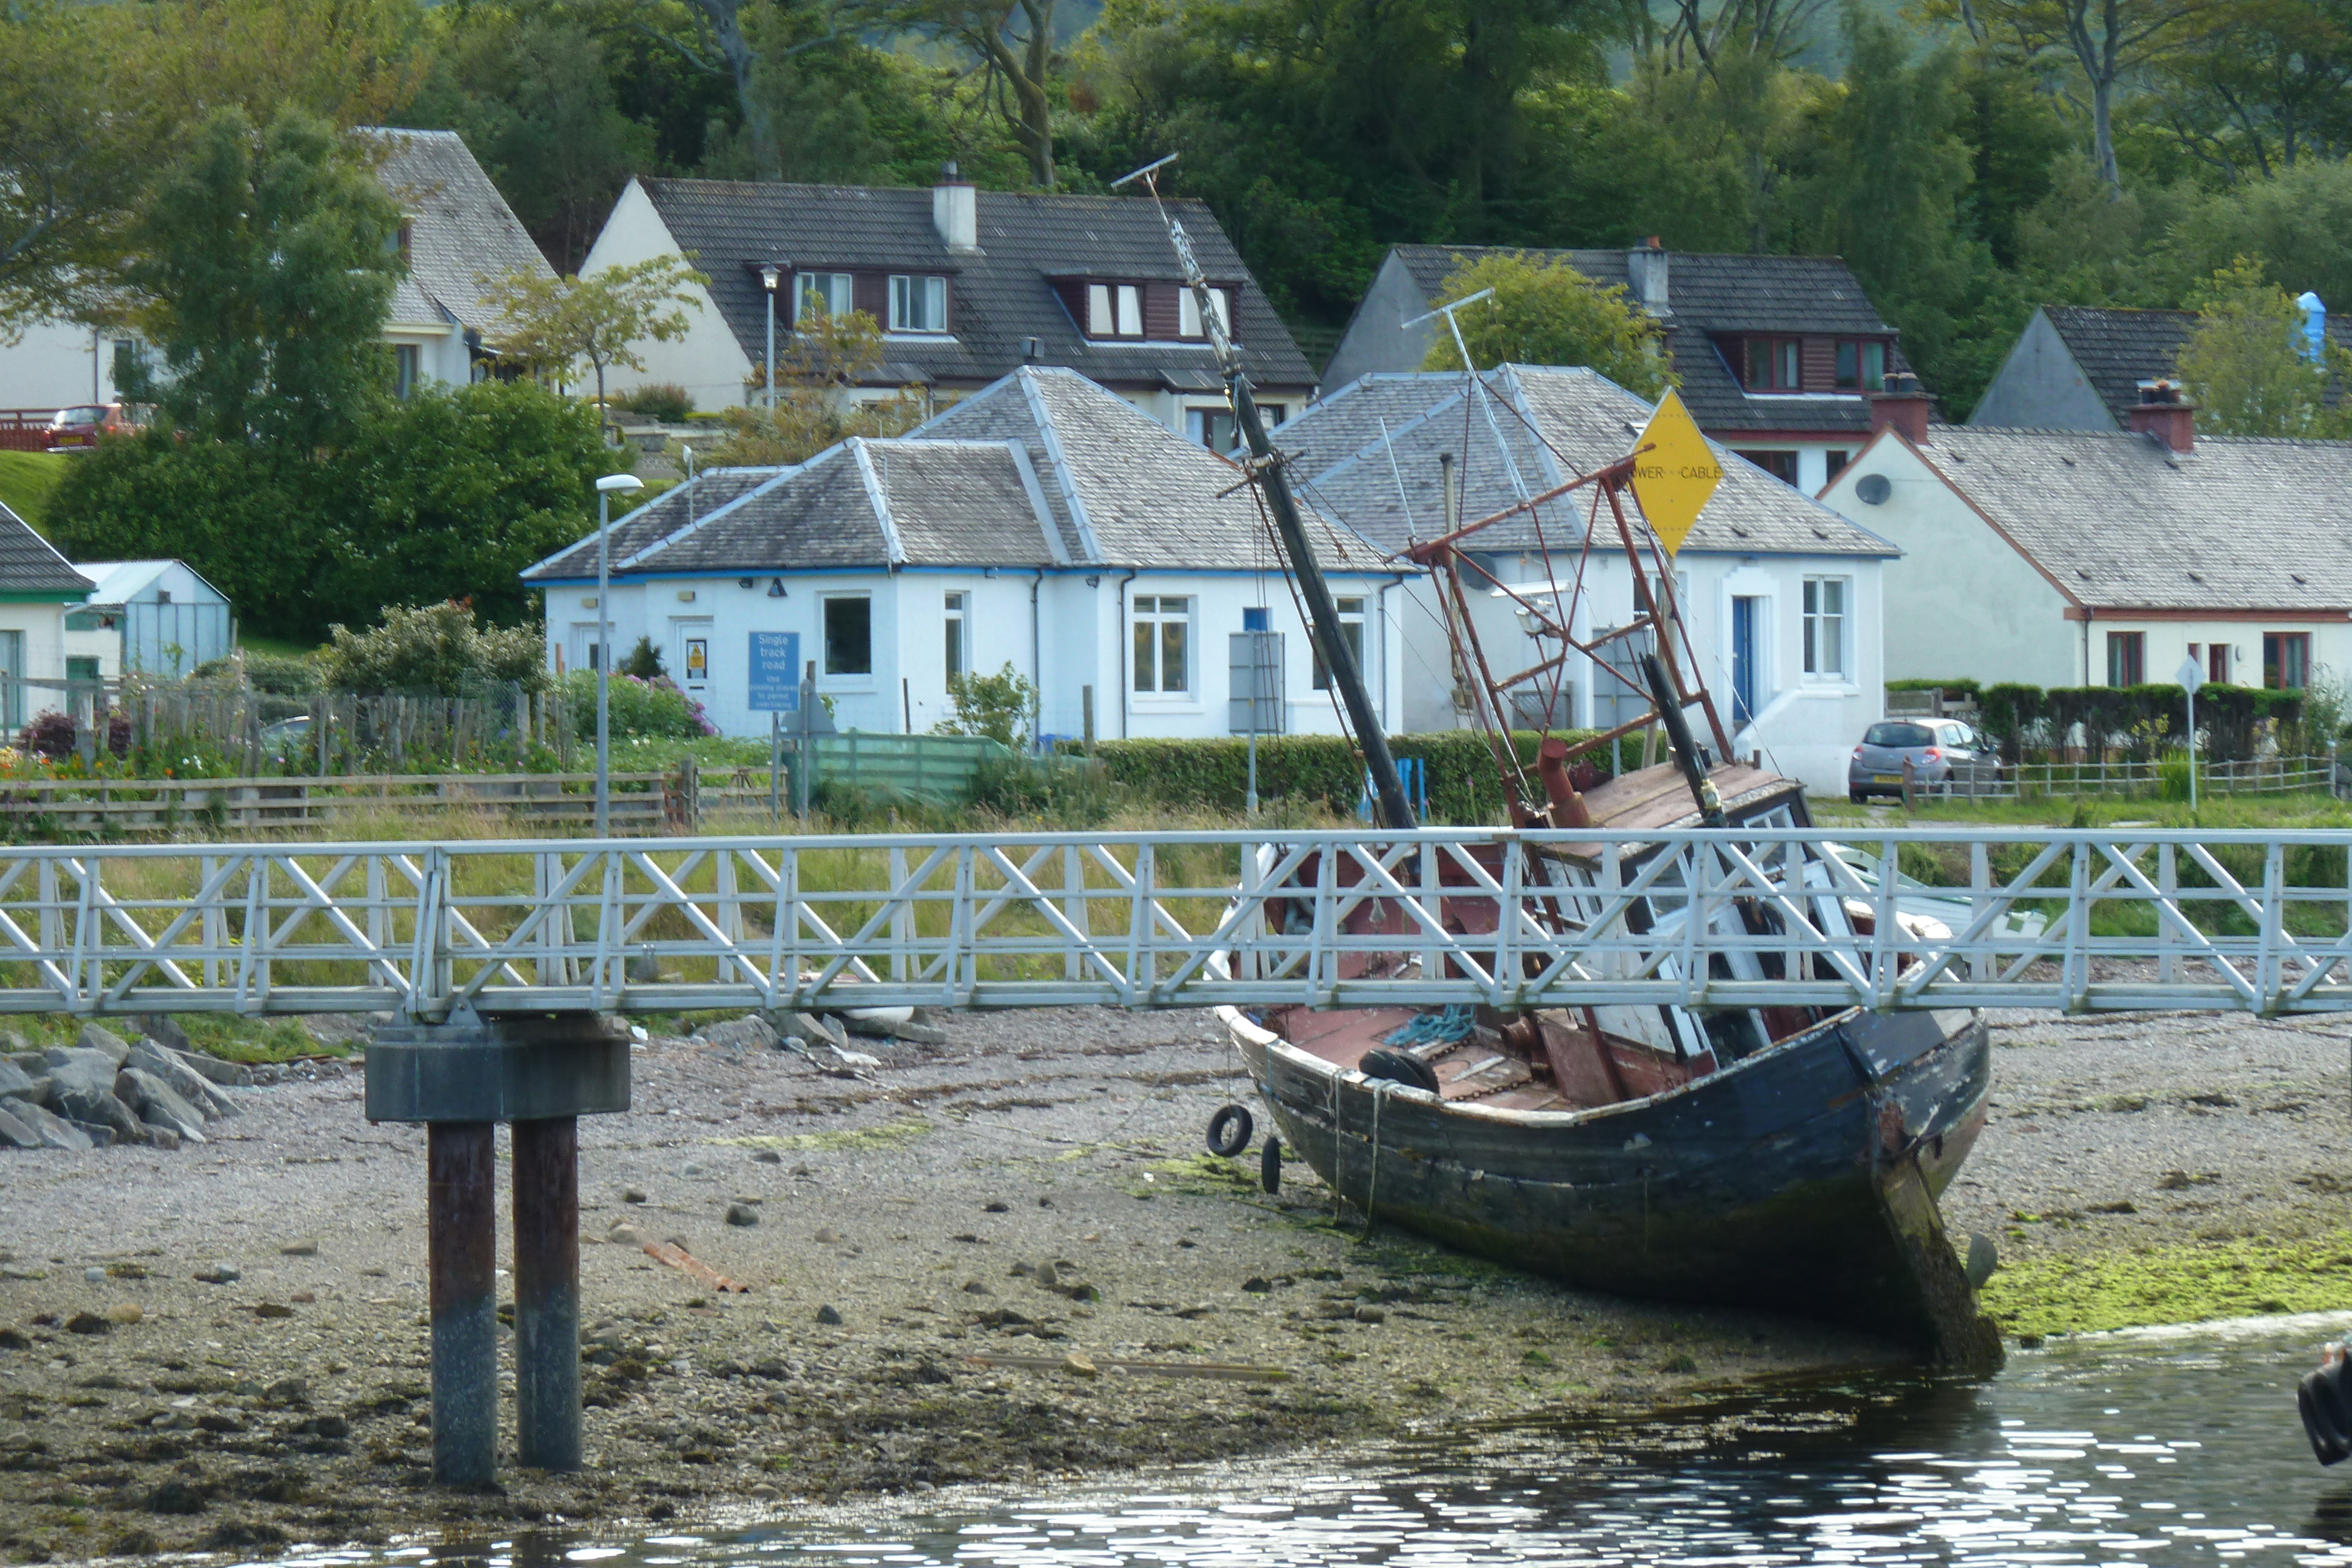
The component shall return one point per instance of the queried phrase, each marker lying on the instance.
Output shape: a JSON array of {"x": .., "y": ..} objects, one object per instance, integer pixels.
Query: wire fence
[{"x": 2165, "y": 777}]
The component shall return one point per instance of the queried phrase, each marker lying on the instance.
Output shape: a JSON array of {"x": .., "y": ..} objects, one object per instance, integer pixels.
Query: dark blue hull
[{"x": 1760, "y": 1185}]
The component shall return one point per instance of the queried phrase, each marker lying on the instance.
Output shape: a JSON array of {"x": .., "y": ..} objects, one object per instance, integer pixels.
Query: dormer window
[
  {"x": 1114, "y": 310},
  {"x": 1862, "y": 366},
  {"x": 820, "y": 293},
  {"x": 1188, "y": 313},
  {"x": 919, "y": 303},
  {"x": 1774, "y": 364}
]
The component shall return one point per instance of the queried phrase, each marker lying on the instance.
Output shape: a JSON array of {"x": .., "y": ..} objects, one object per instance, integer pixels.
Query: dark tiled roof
[
  {"x": 676, "y": 509},
  {"x": 1042, "y": 468},
  {"x": 1709, "y": 294},
  {"x": 2117, "y": 350},
  {"x": 28, "y": 564},
  {"x": 1556, "y": 423},
  {"x": 2243, "y": 523},
  {"x": 461, "y": 230},
  {"x": 1000, "y": 297}
]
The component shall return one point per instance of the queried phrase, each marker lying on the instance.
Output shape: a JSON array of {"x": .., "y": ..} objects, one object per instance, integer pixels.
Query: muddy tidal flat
[{"x": 985, "y": 1260}]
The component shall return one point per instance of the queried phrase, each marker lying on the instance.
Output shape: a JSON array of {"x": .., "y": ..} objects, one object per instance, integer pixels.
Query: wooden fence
[{"x": 54, "y": 808}]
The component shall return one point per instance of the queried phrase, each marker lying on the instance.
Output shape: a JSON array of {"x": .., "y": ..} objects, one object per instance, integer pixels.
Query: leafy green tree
[
  {"x": 436, "y": 648},
  {"x": 558, "y": 324},
  {"x": 2244, "y": 361},
  {"x": 1015, "y": 44},
  {"x": 71, "y": 158},
  {"x": 996, "y": 708},
  {"x": 2259, "y": 86},
  {"x": 2298, "y": 222},
  {"x": 265, "y": 263},
  {"x": 1548, "y": 313},
  {"x": 816, "y": 368}
]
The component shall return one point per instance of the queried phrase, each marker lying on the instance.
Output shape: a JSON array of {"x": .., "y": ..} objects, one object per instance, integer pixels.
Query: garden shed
[{"x": 164, "y": 618}]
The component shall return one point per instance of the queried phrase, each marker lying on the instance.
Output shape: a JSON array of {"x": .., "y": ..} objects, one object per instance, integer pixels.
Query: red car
[{"x": 77, "y": 429}]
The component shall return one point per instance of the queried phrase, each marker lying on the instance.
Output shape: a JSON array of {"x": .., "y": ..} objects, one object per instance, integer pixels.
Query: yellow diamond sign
[{"x": 1677, "y": 474}]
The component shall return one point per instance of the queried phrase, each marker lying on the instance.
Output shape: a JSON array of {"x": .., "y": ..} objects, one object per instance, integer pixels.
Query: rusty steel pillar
[
  {"x": 540, "y": 1073},
  {"x": 460, "y": 1184},
  {"x": 548, "y": 1428}
]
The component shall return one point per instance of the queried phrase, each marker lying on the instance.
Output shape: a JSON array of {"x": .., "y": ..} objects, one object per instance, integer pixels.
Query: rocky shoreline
[{"x": 999, "y": 1255}]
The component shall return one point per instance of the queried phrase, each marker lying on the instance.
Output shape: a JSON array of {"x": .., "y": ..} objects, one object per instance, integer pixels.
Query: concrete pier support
[{"x": 541, "y": 1073}]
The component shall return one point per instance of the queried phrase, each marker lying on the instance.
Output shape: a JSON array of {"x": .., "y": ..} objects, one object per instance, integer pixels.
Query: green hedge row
[
  {"x": 1308, "y": 769},
  {"x": 2141, "y": 720}
]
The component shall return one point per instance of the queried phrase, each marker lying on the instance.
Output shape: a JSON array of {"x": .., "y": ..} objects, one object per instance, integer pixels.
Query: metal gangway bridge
[{"x": 2076, "y": 919}]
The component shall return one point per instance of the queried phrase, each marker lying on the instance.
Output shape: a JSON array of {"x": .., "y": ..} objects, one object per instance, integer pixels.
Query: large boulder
[
  {"x": 227, "y": 1074},
  {"x": 93, "y": 1038},
  {"x": 15, "y": 1134},
  {"x": 751, "y": 1032},
  {"x": 185, "y": 1080},
  {"x": 56, "y": 1131},
  {"x": 15, "y": 1080},
  {"x": 81, "y": 1089},
  {"x": 159, "y": 1104},
  {"x": 164, "y": 1030}
]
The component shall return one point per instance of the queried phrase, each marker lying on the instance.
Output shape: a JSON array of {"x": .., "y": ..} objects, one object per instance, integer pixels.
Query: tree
[
  {"x": 2260, "y": 84},
  {"x": 1548, "y": 313},
  {"x": 2246, "y": 364},
  {"x": 557, "y": 324},
  {"x": 2107, "y": 42},
  {"x": 436, "y": 648},
  {"x": 825, "y": 358},
  {"x": 70, "y": 160},
  {"x": 995, "y": 707},
  {"x": 1013, "y": 40},
  {"x": 265, "y": 265}
]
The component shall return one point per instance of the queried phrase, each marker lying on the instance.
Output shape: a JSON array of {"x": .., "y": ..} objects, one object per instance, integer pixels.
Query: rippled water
[{"x": 2180, "y": 1448}]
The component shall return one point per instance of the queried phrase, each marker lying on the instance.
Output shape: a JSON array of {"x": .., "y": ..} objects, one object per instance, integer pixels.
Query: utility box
[{"x": 1256, "y": 695}]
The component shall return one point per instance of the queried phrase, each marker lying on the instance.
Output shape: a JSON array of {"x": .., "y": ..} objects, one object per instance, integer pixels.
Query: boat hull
[{"x": 1760, "y": 1184}]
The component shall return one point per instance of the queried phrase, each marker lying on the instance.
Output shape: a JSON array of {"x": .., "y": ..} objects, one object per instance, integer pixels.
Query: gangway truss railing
[{"x": 2081, "y": 920}]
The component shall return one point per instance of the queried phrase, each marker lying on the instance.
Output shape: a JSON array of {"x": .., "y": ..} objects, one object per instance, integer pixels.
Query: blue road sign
[{"x": 775, "y": 672}]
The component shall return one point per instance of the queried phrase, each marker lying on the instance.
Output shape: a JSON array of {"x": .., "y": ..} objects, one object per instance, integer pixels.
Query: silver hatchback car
[{"x": 1932, "y": 745}]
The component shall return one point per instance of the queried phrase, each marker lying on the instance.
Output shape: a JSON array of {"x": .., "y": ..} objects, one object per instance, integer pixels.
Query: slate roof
[
  {"x": 1557, "y": 422},
  {"x": 28, "y": 564},
  {"x": 2243, "y": 523},
  {"x": 461, "y": 229},
  {"x": 668, "y": 514},
  {"x": 1042, "y": 468},
  {"x": 1709, "y": 294},
  {"x": 1000, "y": 297}
]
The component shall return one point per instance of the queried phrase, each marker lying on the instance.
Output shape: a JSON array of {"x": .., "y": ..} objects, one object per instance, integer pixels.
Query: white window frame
[
  {"x": 1837, "y": 623},
  {"x": 1131, "y": 311},
  {"x": 1187, "y": 312},
  {"x": 1099, "y": 316},
  {"x": 919, "y": 303},
  {"x": 837, "y": 291},
  {"x": 956, "y": 633},
  {"x": 1351, "y": 631},
  {"x": 1147, "y": 652}
]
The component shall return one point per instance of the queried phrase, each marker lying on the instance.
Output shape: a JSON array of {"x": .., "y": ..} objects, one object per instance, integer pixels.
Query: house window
[
  {"x": 1273, "y": 413},
  {"x": 1131, "y": 311},
  {"x": 1835, "y": 465},
  {"x": 1351, "y": 631},
  {"x": 1860, "y": 366},
  {"x": 919, "y": 303},
  {"x": 1824, "y": 617},
  {"x": 2217, "y": 664},
  {"x": 1256, "y": 618},
  {"x": 1212, "y": 427},
  {"x": 958, "y": 651},
  {"x": 1163, "y": 637},
  {"x": 2126, "y": 658},
  {"x": 2286, "y": 660},
  {"x": 821, "y": 293},
  {"x": 81, "y": 668},
  {"x": 849, "y": 635},
  {"x": 407, "y": 367},
  {"x": 1188, "y": 313},
  {"x": 1781, "y": 465},
  {"x": 1114, "y": 310},
  {"x": 1773, "y": 365}
]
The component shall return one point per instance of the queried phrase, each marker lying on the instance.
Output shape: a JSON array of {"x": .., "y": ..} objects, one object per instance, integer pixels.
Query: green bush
[
  {"x": 2137, "y": 719},
  {"x": 1318, "y": 769},
  {"x": 665, "y": 402},
  {"x": 281, "y": 674},
  {"x": 1956, "y": 688},
  {"x": 436, "y": 648},
  {"x": 636, "y": 709}
]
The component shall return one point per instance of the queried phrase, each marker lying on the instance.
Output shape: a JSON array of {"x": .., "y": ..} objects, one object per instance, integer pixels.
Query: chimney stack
[
  {"x": 1645, "y": 269},
  {"x": 2162, "y": 413},
  {"x": 955, "y": 210},
  {"x": 1902, "y": 408}
]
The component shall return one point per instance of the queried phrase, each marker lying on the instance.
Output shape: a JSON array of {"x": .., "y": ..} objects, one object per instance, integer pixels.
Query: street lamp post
[
  {"x": 605, "y": 489},
  {"x": 769, "y": 276}
]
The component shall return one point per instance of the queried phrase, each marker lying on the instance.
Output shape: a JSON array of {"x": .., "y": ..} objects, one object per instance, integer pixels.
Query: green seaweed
[
  {"x": 888, "y": 1135},
  {"x": 2084, "y": 1292}
]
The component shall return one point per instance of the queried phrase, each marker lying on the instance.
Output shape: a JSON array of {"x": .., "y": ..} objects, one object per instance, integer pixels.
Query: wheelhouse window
[
  {"x": 1351, "y": 631},
  {"x": 919, "y": 303},
  {"x": 1860, "y": 366},
  {"x": 958, "y": 651},
  {"x": 1825, "y": 626},
  {"x": 849, "y": 634},
  {"x": 821, "y": 293},
  {"x": 2286, "y": 660},
  {"x": 1774, "y": 364},
  {"x": 2126, "y": 658},
  {"x": 1163, "y": 639}
]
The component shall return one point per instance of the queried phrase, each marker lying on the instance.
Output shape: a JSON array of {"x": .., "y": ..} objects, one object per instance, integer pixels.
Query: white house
[
  {"x": 967, "y": 285},
  {"x": 158, "y": 616},
  {"x": 1043, "y": 523},
  {"x": 457, "y": 229},
  {"x": 2063, "y": 558},
  {"x": 38, "y": 590},
  {"x": 1780, "y": 595}
]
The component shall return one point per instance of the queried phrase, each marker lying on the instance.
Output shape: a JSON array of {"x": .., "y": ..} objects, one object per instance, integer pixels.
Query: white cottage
[
  {"x": 1043, "y": 522},
  {"x": 38, "y": 590},
  {"x": 1780, "y": 595}
]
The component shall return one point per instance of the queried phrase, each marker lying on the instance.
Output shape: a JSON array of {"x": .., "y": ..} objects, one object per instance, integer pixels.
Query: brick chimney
[
  {"x": 2164, "y": 413},
  {"x": 1645, "y": 270},
  {"x": 955, "y": 210},
  {"x": 1903, "y": 408}
]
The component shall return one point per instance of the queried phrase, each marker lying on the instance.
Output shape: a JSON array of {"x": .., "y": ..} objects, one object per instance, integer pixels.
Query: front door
[
  {"x": 11, "y": 673},
  {"x": 690, "y": 655},
  {"x": 1744, "y": 617}
]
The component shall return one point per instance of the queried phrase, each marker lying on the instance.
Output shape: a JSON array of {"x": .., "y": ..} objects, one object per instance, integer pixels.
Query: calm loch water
[{"x": 2173, "y": 1447}]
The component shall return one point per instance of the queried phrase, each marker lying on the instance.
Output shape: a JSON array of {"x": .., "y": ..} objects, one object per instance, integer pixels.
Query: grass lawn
[
  {"x": 26, "y": 480},
  {"x": 2283, "y": 811},
  {"x": 282, "y": 647}
]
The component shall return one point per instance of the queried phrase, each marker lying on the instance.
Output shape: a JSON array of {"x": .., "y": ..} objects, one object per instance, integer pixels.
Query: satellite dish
[{"x": 1873, "y": 489}]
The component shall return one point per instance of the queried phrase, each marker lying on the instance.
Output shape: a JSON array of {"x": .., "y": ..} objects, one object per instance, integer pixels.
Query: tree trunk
[
  {"x": 2103, "y": 133},
  {"x": 727, "y": 26},
  {"x": 1026, "y": 72}
]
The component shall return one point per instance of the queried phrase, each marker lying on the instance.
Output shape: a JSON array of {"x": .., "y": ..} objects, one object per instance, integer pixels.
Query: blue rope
[{"x": 1432, "y": 1029}]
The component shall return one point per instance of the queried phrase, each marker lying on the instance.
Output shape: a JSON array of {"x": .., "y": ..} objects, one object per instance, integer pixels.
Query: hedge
[
  {"x": 1325, "y": 768},
  {"x": 2227, "y": 716}
]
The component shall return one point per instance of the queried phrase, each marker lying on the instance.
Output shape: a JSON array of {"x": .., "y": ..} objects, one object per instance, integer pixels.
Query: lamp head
[
  {"x": 769, "y": 274},
  {"x": 612, "y": 482}
]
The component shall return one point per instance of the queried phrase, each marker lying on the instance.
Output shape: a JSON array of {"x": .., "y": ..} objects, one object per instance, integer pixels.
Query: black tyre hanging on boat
[
  {"x": 1269, "y": 1164},
  {"x": 1230, "y": 1131}
]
